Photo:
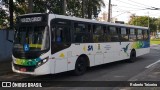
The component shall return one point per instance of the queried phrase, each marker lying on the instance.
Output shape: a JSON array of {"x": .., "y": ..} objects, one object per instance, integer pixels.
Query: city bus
[{"x": 49, "y": 43}]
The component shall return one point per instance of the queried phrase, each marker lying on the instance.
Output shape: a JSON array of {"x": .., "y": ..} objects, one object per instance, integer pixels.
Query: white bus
[{"x": 49, "y": 43}]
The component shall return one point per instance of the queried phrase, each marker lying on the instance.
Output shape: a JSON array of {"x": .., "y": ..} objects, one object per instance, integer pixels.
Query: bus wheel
[
  {"x": 81, "y": 66},
  {"x": 132, "y": 56}
]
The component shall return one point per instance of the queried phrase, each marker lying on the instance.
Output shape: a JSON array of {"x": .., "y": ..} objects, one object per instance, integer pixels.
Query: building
[{"x": 104, "y": 17}]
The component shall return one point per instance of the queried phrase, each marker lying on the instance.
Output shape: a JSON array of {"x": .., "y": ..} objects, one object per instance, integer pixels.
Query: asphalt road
[{"x": 117, "y": 71}]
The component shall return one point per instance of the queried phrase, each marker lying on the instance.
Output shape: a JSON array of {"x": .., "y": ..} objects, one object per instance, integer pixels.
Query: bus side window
[
  {"x": 132, "y": 35},
  {"x": 82, "y": 32},
  {"x": 139, "y": 34},
  {"x": 113, "y": 33},
  {"x": 107, "y": 37},
  {"x": 97, "y": 33},
  {"x": 124, "y": 34},
  {"x": 145, "y": 34}
]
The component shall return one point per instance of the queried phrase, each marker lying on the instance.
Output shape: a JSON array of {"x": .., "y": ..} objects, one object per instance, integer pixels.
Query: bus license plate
[{"x": 23, "y": 69}]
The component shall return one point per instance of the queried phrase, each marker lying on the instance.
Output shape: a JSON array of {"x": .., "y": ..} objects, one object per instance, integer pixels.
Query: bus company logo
[
  {"x": 125, "y": 49},
  {"x": 90, "y": 48},
  {"x": 6, "y": 84}
]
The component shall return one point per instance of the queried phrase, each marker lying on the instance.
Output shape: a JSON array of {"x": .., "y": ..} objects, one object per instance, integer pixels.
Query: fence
[{"x": 5, "y": 46}]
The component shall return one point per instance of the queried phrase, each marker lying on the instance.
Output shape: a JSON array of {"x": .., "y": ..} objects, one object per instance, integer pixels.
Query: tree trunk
[
  {"x": 30, "y": 6},
  {"x": 64, "y": 7},
  {"x": 89, "y": 9},
  {"x": 11, "y": 13},
  {"x": 83, "y": 6}
]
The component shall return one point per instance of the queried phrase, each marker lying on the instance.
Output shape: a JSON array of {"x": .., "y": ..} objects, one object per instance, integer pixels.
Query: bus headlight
[
  {"x": 45, "y": 60},
  {"x": 42, "y": 62}
]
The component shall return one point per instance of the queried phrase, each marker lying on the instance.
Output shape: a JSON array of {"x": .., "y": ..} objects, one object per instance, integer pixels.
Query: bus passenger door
[
  {"x": 60, "y": 41},
  {"x": 97, "y": 38},
  {"x": 111, "y": 52}
]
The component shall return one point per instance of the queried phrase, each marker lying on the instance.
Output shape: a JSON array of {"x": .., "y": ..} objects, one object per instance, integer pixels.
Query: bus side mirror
[{"x": 10, "y": 35}]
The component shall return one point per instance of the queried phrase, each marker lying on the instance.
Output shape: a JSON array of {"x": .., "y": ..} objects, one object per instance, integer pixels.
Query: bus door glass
[{"x": 61, "y": 37}]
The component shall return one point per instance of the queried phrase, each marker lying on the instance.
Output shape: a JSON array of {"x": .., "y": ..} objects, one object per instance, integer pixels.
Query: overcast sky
[{"x": 122, "y": 9}]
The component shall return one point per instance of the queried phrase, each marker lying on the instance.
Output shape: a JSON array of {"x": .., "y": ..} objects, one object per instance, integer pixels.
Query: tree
[
  {"x": 84, "y": 8},
  {"x": 94, "y": 7},
  {"x": 157, "y": 23},
  {"x": 20, "y": 7},
  {"x": 79, "y": 8},
  {"x": 144, "y": 21},
  {"x": 4, "y": 16},
  {"x": 30, "y": 6},
  {"x": 64, "y": 7},
  {"x": 40, "y": 6},
  {"x": 11, "y": 14},
  {"x": 54, "y": 6}
]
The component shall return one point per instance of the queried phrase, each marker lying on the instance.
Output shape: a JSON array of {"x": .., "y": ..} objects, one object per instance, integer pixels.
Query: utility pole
[
  {"x": 111, "y": 6},
  {"x": 109, "y": 11},
  {"x": 11, "y": 13}
]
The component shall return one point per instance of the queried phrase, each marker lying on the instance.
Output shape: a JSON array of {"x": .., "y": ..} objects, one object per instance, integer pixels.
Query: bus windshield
[{"x": 31, "y": 38}]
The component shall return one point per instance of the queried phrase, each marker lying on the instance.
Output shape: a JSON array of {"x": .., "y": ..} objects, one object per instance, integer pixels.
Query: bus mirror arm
[
  {"x": 9, "y": 35},
  {"x": 10, "y": 41}
]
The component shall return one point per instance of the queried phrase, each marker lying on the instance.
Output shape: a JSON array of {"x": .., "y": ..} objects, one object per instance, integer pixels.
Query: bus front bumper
[{"x": 41, "y": 70}]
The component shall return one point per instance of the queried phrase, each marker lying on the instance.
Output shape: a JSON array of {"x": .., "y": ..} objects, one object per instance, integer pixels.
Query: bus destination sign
[{"x": 31, "y": 19}]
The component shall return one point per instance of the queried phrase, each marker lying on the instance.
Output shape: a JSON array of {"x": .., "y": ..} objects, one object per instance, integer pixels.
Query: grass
[{"x": 154, "y": 41}]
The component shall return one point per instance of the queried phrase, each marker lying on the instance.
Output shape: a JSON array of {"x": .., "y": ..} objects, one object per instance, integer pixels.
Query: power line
[
  {"x": 131, "y": 4},
  {"x": 122, "y": 10},
  {"x": 130, "y": 7},
  {"x": 141, "y": 4},
  {"x": 124, "y": 13},
  {"x": 129, "y": 10},
  {"x": 148, "y": 7}
]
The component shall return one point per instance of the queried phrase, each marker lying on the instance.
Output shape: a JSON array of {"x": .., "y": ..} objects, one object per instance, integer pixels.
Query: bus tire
[
  {"x": 132, "y": 56},
  {"x": 80, "y": 66}
]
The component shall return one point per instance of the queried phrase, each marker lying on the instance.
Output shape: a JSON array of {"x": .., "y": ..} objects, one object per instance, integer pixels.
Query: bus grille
[{"x": 27, "y": 68}]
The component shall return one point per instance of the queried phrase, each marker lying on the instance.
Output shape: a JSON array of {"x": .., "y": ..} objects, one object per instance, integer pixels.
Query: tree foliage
[
  {"x": 3, "y": 19},
  {"x": 145, "y": 21},
  {"x": 4, "y": 15},
  {"x": 79, "y": 8}
]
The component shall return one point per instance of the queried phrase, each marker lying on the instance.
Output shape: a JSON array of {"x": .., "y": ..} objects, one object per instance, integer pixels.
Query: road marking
[{"x": 152, "y": 64}]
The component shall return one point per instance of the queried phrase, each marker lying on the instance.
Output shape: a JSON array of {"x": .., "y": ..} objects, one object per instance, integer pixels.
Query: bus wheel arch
[
  {"x": 81, "y": 64},
  {"x": 132, "y": 55}
]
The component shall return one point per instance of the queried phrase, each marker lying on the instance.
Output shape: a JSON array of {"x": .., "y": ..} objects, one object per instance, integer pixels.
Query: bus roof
[
  {"x": 95, "y": 21},
  {"x": 88, "y": 20}
]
